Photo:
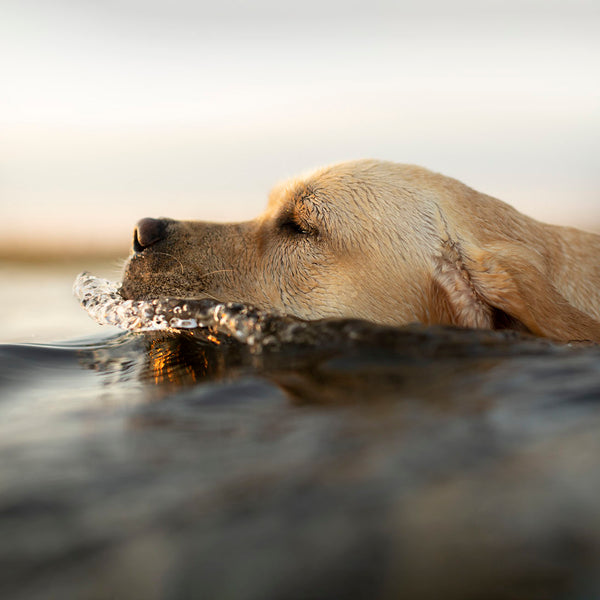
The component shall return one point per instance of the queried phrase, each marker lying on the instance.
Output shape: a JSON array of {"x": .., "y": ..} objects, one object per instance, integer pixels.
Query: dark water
[{"x": 354, "y": 462}]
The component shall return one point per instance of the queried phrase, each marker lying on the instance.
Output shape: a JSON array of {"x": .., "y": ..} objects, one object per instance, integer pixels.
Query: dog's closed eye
[{"x": 292, "y": 224}]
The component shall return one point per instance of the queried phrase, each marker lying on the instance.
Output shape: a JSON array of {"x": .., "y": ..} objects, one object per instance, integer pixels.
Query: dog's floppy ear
[
  {"x": 503, "y": 285},
  {"x": 454, "y": 299}
]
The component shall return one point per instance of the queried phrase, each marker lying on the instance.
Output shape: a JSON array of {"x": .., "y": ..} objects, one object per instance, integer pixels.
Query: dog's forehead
[
  {"x": 368, "y": 187},
  {"x": 324, "y": 186}
]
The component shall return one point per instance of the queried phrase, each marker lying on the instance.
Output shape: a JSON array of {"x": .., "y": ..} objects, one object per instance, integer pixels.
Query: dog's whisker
[
  {"x": 219, "y": 271},
  {"x": 211, "y": 296}
]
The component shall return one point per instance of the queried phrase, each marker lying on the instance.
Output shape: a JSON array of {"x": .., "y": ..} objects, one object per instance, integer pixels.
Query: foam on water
[{"x": 103, "y": 302}]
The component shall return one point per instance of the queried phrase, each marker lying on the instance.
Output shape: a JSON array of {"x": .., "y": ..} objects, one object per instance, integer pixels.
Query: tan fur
[{"x": 389, "y": 243}]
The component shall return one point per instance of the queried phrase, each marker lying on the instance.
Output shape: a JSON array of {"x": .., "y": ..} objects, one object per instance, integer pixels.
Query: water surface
[{"x": 339, "y": 460}]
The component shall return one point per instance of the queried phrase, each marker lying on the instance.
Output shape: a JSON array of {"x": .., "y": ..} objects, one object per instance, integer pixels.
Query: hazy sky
[{"x": 117, "y": 110}]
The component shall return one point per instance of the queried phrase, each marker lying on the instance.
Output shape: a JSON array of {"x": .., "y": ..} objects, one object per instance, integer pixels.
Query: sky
[{"x": 114, "y": 111}]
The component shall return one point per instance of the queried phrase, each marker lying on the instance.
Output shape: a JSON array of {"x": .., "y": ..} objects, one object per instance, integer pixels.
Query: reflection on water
[{"x": 350, "y": 461}]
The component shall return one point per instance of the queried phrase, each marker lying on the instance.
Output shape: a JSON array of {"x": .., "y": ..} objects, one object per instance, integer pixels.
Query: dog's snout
[{"x": 147, "y": 232}]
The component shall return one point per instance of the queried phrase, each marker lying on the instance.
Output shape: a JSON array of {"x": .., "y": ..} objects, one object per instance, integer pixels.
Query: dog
[{"x": 386, "y": 242}]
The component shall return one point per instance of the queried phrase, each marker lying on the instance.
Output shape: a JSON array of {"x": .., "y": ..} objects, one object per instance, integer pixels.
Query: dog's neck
[{"x": 576, "y": 267}]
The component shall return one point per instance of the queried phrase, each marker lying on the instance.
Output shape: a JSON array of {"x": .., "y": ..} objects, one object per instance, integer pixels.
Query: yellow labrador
[{"x": 386, "y": 242}]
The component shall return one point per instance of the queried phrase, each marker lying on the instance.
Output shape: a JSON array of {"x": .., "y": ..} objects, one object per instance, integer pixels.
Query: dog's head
[
  {"x": 367, "y": 239},
  {"x": 351, "y": 240}
]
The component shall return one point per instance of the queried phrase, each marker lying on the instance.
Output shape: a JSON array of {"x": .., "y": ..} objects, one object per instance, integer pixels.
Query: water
[
  {"x": 335, "y": 459},
  {"x": 103, "y": 302}
]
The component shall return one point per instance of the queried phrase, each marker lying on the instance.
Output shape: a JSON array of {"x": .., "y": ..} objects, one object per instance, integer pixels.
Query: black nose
[{"x": 148, "y": 232}]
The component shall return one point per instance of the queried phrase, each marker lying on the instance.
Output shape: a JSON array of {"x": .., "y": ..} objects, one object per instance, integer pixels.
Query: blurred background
[{"x": 111, "y": 111}]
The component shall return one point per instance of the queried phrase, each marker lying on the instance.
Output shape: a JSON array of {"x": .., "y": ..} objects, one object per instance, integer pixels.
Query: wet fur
[{"x": 389, "y": 243}]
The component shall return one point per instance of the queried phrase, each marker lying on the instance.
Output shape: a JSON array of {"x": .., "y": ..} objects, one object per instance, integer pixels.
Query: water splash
[{"x": 103, "y": 302}]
